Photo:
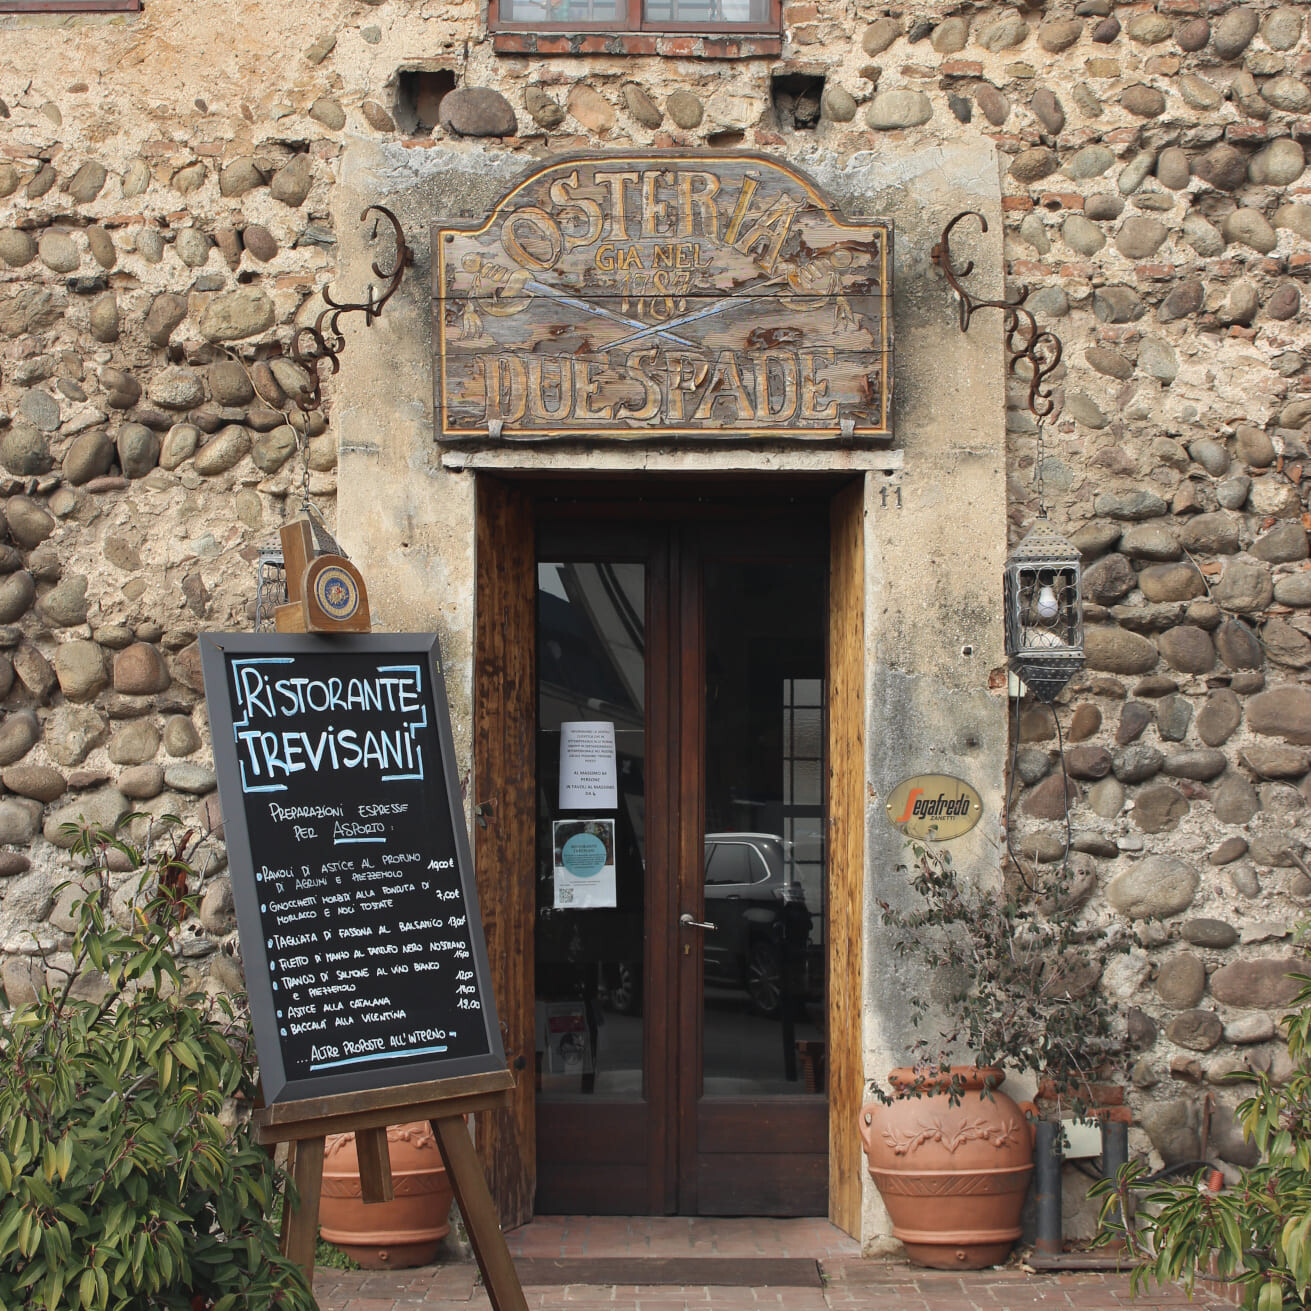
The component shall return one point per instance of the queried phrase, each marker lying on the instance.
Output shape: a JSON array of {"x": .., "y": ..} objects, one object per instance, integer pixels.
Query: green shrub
[
  {"x": 1022, "y": 967},
  {"x": 123, "y": 1185},
  {"x": 1256, "y": 1234}
]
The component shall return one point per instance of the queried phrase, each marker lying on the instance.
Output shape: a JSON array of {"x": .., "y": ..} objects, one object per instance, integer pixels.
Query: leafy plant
[
  {"x": 331, "y": 1257},
  {"x": 123, "y": 1185},
  {"x": 1024, "y": 968},
  {"x": 327, "y": 1256},
  {"x": 1256, "y": 1235}
]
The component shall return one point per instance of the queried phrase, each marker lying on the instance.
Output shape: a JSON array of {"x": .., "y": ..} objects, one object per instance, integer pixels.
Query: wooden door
[
  {"x": 681, "y": 1067},
  {"x": 752, "y": 1109},
  {"x": 603, "y": 966}
]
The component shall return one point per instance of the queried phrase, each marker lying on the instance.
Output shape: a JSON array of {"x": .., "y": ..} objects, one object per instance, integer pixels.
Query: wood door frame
[
  {"x": 504, "y": 718},
  {"x": 503, "y": 797},
  {"x": 846, "y": 853}
]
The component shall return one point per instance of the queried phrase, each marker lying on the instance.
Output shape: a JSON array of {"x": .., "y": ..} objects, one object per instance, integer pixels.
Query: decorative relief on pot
[
  {"x": 1001, "y": 1184},
  {"x": 402, "y": 1185},
  {"x": 418, "y": 1135},
  {"x": 950, "y": 1136}
]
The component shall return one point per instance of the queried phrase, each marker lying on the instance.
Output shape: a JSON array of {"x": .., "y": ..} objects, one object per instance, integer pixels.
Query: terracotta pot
[
  {"x": 952, "y": 1177},
  {"x": 406, "y": 1231}
]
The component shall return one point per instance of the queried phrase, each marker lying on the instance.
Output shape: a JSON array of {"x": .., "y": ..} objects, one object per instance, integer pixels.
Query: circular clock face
[{"x": 336, "y": 592}]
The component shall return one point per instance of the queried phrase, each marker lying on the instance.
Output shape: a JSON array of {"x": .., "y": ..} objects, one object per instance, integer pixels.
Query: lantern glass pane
[{"x": 1047, "y": 607}]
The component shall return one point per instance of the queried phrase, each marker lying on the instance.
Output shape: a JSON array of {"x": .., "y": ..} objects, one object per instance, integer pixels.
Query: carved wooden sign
[{"x": 663, "y": 296}]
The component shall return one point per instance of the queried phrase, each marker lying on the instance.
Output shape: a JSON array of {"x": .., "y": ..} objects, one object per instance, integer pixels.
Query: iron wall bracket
[
  {"x": 1026, "y": 344},
  {"x": 323, "y": 341}
]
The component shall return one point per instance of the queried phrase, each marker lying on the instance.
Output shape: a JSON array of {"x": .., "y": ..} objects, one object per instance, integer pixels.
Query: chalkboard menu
[{"x": 363, "y": 948}]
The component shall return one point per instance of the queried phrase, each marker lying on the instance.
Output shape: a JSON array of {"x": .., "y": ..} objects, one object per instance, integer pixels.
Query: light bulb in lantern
[{"x": 1047, "y": 605}]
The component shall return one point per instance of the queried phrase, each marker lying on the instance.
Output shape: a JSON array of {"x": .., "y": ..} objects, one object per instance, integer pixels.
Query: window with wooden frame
[
  {"x": 68, "y": 6},
  {"x": 686, "y": 17}
]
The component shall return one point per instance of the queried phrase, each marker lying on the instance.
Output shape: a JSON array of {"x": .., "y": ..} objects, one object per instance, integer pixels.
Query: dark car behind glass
[
  {"x": 762, "y": 942},
  {"x": 761, "y": 939}
]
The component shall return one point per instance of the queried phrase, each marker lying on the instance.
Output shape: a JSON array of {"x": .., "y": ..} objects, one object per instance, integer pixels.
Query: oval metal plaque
[{"x": 934, "y": 806}]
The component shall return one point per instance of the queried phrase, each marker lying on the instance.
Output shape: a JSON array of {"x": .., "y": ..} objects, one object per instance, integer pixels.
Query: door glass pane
[
  {"x": 763, "y": 997},
  {"x": 591, "y": 669},
  {"x": 691, "y": 13},
  {"x": 559, "y": 11}
]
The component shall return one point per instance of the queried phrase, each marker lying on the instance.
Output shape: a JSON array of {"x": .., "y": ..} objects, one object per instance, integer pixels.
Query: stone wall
[{"x": 168, "y": 216}]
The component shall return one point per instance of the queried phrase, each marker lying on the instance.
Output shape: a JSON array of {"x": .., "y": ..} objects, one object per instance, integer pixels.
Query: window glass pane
[
  {"x": 559, "y": 11},
  {"x": 804, "y": 783},
  {"x": 808, "y": 724},
  {"x": 694, "y": 12},
  {"x": 763, "y": 962},
  {"x": 591, "y": 666}
]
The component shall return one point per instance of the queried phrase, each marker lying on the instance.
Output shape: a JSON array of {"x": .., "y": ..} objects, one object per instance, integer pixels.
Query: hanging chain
[
  {"x": 304, "y": 445},
  {"x": 324, "y": 542},
  {"x": 1039, "y": 468},
  {"x": 323, "y": 342}
]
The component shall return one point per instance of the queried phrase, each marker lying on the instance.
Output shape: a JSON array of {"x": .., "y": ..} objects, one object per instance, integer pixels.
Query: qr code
[{"x": 564, "y": 896}]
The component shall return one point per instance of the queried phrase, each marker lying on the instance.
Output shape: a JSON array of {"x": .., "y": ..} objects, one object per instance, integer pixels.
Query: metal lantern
[
  {"x": 1044, "y": 611},
  {"x": 270, "y": 587}
]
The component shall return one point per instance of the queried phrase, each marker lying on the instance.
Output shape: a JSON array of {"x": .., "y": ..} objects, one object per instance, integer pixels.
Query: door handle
[{"x": 686, "y": 920}]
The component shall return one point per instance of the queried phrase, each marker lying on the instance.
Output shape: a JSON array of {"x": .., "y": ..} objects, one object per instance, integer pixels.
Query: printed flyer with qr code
[{"x": 584, "y": 863}]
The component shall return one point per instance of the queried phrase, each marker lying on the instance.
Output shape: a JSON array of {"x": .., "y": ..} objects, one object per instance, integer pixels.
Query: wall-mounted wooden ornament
[
  {"x": 335, "y": 598},
  {"x": 325, "y": 593},
  {"x": 663, "y": 295}
]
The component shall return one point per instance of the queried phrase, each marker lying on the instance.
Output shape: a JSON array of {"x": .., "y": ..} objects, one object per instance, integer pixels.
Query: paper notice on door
[
  {"x": 584, "y": 863},
  {"x": 587, "y": 766}
]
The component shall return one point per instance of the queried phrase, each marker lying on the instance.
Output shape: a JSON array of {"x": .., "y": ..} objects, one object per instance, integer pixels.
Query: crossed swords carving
[{"x": 747, "y": 296}]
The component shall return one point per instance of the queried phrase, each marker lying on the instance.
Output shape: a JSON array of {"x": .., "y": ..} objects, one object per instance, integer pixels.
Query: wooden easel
[{"x": 444, "y": 1103}]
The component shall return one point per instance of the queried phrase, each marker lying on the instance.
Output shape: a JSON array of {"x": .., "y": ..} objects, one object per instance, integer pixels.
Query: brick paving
[
  {"x": 850, "y": 1282},
  {"x": 672, "y": 1235}
]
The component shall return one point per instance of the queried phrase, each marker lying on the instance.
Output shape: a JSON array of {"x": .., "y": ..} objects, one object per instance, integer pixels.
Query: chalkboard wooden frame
[{"x": 217, "y": 651}]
